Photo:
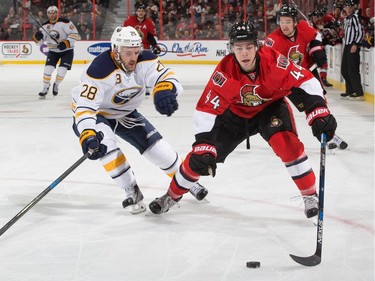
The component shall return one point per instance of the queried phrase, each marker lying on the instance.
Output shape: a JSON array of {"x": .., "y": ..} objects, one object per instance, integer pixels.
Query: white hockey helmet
[
  {"x": 52, "y": 9},
  {"x": 125, "y": 36}
]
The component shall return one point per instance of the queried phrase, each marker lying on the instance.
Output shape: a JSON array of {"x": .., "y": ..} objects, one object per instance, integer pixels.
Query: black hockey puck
[{"x": 253, "y": 264}]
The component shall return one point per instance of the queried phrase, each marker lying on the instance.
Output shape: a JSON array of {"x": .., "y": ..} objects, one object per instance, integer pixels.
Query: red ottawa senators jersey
[
  {"x": 146, "y": 26},
  {"x": 295, "y": 48},
  {"x": 247, "y": 94}
]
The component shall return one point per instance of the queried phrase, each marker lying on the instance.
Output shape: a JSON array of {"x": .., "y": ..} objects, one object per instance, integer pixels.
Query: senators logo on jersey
[
  {"x": 295, "y": 56},
  {"x": 249, "y": 97}
]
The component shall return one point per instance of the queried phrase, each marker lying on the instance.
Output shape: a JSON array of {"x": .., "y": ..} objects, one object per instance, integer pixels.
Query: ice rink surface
[{"x": 80, "y": 231}]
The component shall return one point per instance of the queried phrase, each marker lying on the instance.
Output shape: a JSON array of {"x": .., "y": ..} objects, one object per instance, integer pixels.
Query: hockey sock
[{"x": 290, "y": 149}]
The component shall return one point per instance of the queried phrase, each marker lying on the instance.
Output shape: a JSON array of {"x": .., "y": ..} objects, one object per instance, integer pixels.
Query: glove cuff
[
  {"x": 86, "y": 134},
  {"x": 204, "y": 148},
  {"x": 162, "y": 86},
  {"x": 318, "y": 112}
]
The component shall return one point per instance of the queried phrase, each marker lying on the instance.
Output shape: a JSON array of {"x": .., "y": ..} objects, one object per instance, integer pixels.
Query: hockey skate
[
  {"x": 55, "y": 89},
  {"x": 337, "y": 142},
  {"x": 42, "y": 94},
  {"x": 198, "y": 191},
  {"x": 311, "y": 205},
  {"x": 162, "y": 204},
  {"x": 326, "y": 83},
  {"x": 134, "y": 200}
]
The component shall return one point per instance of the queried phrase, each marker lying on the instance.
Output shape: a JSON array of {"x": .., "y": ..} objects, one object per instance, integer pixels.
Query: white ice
[{"x": 79, "y": 231}]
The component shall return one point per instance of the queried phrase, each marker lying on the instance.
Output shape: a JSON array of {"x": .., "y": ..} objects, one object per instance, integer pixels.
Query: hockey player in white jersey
[
  {"x": 105, "y": 105},
  {"x": 60, "y": 34}
]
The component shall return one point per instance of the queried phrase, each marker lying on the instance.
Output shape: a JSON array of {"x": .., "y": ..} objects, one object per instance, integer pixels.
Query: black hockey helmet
[
  {"x": 243, "y": 31},
  {"x": 320, "y": 13},
  {"x": 288, "y": 11},
  {"x": 312, "y": 14},
  {"x": 338, "y": 5},
  {"x": 139, "y": 5},
  {"x": 350, "y": 3}
]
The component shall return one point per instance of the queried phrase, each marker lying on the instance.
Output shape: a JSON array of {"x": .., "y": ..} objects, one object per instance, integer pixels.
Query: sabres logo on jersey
[
  {"x": 295, "y": 56},
  {"x": 125, "y": 95},
  {"x": 54, "y": 34},
  {"x": 218, "y": 78},
  {"x": 249, "y": 97}
]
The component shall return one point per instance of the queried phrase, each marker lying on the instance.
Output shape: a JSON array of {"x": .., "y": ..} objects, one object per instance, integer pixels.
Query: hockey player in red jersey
[
  {"x": 245, "y": 96},
  {"x": 299, "y": 41},
  {"x": 302, "y": 44},
  {"x": 144, "y": 26}
]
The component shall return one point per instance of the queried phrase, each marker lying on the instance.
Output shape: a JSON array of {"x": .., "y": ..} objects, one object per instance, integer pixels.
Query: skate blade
[{"x": 138, "y": 208}]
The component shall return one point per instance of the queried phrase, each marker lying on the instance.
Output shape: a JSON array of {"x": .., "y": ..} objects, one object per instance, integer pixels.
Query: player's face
[
  {"x": 286, "y": 26},
  {"x": 52, "y": 16},
  {"x": 245, "y": 53},
  {"x": 129, "y": 57},
  {"x": 141, "y": 13}
]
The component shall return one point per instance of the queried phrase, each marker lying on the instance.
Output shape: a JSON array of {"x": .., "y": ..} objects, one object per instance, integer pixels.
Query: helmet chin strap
[{"x": 120, "y": 63}]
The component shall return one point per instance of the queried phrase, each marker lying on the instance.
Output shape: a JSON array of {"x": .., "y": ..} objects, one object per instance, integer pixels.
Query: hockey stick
[
  {"x": 316, "y": 258},
  {"x": 44, "y": 193},
  {"x": 37, "y": 22},
  {"x": 303, "y": 15}
]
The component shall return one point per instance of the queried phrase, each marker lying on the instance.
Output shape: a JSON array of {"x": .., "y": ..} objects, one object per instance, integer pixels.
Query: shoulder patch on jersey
[
  {"x": 218, "y": 78},
  {"x": 64, "y": 20},
  {"x": 101, "y": 66},
  {"x": 147, "y": 55},
  {"x": 269, "y": 42},
  {"x": 282, "y": 62}
]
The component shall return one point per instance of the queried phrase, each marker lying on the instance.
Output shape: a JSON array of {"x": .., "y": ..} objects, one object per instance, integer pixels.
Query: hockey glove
[
  {"x": 156, "y": 50},
  {"x": 38, "y": 36},
  {"x": 63, "y": 45},
  {"x": 320, "y": 57},
  {"x": 165, "y": 98},
  {"x": 203, "y": 159},
  {"x": 90, "y": 141},
  {"x": 322, "y": 121}
]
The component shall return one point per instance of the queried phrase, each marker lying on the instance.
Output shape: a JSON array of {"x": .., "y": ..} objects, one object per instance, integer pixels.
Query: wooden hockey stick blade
[{"x": 307, "y": 261}]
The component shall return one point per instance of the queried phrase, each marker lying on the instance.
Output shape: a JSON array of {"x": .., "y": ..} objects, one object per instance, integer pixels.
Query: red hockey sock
[{"x": 290, "y": 149}]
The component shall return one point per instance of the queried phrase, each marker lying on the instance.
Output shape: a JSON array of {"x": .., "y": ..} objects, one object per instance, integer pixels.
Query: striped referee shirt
[{"x": 353, "y": 29}]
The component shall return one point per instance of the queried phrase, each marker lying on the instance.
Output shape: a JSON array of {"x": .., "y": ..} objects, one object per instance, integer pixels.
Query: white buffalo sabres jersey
[
  {"x": 106, "y": 89},
  {"x": 61, "y": 30}
]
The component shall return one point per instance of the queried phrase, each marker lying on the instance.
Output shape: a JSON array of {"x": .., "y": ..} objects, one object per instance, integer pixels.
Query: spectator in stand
[
  {"x": 4, "y": 34},
  {"x": 145, "y": 27},
  {"x": 183, "y": 9},
  {"x": 84, "y": 32}
]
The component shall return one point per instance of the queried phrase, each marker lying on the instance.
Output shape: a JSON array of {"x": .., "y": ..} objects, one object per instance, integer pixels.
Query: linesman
[{"x": 353, "y": 35}]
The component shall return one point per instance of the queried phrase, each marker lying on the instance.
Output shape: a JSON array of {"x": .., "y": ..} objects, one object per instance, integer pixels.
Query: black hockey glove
[
  {"x": 202, "y": 159},
  {"x": 156, "y": 50},
  {"x": 320, "y": 57},
  {"x": 90, "y": 141},
  {"x": 63, "y": 45},
  {"x": 322, "y": 121},
  {"x": 165, "y": 98},
  {"x": 38, "y": 36}
]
